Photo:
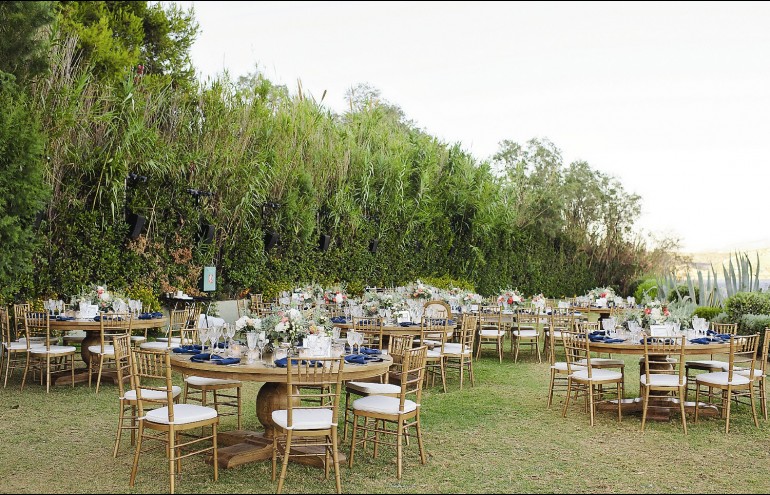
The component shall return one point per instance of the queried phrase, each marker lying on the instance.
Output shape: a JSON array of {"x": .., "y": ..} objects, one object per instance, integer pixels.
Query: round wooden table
[
  {"x": 248, "y": 446},
  {"x": 92, "y": 329},
  {"x": 636, "y": 347}
]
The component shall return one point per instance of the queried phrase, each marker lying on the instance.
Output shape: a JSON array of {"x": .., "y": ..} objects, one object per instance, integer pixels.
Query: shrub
[
  {"x": 753, "y": 324},
  {"x": 756, "y": 303},
  {"x": 707, "y": 312},
  {"x": 649, "y": 285}
]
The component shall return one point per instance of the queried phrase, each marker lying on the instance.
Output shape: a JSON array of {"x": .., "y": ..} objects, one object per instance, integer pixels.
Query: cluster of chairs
[{"x": 665, "y": 374}]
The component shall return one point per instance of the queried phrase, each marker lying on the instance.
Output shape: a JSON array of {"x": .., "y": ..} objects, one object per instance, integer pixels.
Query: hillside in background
[{"x": 703, "y": 261}]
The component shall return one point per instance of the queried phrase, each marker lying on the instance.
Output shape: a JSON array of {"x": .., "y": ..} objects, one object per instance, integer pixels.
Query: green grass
[{"x": 495, "y": 437}]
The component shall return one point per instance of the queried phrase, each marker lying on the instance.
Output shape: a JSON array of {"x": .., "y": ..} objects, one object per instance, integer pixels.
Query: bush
[
  {"x": 707, "y": 312},
  {"x": 649, "y": 285},
  {"x": 753, "y": 324},
  {"x": 755, "y": 303}
]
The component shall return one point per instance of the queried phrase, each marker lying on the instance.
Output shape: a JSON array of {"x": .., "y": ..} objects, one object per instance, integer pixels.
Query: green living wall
[{"x": 264, "y": 160}]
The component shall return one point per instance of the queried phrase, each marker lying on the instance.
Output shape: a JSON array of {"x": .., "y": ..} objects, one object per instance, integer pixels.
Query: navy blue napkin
[
  {"x": 408, "y": 324},
  {"x": 64, "y": 318},
  {"x": 362, "y": 359},
  {"x": 705, "y": 340},
  {"x": 598, "y": 333},
  {"x": 187, "y": 349},
  {"x": 656, "y": 340},
  {"x": 339, "y": 319},
  {"x": 98, "y": 318},
  {"x": 613, "y": 341},
  {"x": 230, "y": 360},
  {"x": 369, "y": 352},
  {"x": 204, "y": 356},
  {"x": 284, "y": 362}
]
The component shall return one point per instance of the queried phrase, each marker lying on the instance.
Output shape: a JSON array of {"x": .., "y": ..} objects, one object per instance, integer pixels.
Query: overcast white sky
[{"x": 671, "y": 98}]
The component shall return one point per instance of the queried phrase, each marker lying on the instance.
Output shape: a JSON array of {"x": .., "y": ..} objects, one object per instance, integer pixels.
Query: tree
[
  {"x": 117, "y": 37},
  {"x": 23, "y": 46}
]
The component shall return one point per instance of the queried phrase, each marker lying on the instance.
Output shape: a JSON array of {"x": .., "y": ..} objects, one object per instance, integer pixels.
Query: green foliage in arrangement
[
  {"x": 276, "y": 162},
  {"x": 707, "y": 312}
]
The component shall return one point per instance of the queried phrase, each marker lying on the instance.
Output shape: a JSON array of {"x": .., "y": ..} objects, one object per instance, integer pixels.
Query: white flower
[
  {"x": 280, "y": 327},
  {"x": 294, "y": 314}
]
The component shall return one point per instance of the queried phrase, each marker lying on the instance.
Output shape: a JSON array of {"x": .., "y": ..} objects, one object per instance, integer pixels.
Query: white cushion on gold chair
[
  {"x": 153, "y": 394},
  {"x": 603, "y": 362},
  {"x": 20, "y": 346},
  {"x": 174, "y": 340},
  {"x": 97, "y": 349},
  {"x": 183, "y": 414},
  {"x": 562, "y": 366},
  {"x": 138, "y": 338},
  {"x": 598, "y": 374},
  {"x": 429, "y": 342},
  {"x": 153, "y": 345},
  {"x": 55, "y": 349},
  {"x": 453, "y": 348},
  {"x": 433, "y": 354},
  {"x": 492, "y": 333},
  {"x": 721, "y": 378},
  {"x": 745, "y": 372},
  {"x": 74, "y": 338},
  {"x": 374, "y": 388},
  {"x": 383, "y": 405},
  {"x": 525, "y": 333},
  {"x": 662, "y": 380},
  {"x": 304, "y": 419},
  {"x": 199, "y": 380}
]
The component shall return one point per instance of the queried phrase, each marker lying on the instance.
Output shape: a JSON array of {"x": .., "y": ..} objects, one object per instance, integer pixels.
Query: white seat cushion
[
  {"x": 138, "y": 338},
  {"x": 97, "y": 349},
  {"x": 153, "y": 345},
  {"x": 153, "y": 394},
  {"x": 597, "y": 375},
  {"x": 662, "y": 380},
  {"x": 55, "y": 349},
  {"x": 304, "y": 419},
  {"x": 527, "y": 334},
  {"x": 603, "y": 362},
  {"x": 706, "y": 364},
  {"x": 429, "y": 342},
  {"x": 721, "y": 378},
  {"x": 433, "y": 354},
  {"x": 20, "y": 346},
  {"x": 74, "y": 338},
  {"x": 453, "y": 348},
  {"x": 556, "y": 334},
  {"x": 745, "y": 372},
  {"x": 174, "y": 340},
  {"x": 562, "y": 366},
  {"x": 383, "y": 405},
  {"x": 200, "y": 381},
  {"x": 492, "y": 333},
  {"x": 374, "y": 388},
  {"x": 183, "y": 414}
]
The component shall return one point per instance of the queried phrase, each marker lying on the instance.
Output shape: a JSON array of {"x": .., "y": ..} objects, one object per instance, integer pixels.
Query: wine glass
[
  {"x": 214, "y": 333},
  {"x": 261, "y": 343},
  {"x": 351, "y": 340},
  {"x": 251, "y": 342},
  {"x": 359, "y": 341},
  {"x": 230, "y": 330}
]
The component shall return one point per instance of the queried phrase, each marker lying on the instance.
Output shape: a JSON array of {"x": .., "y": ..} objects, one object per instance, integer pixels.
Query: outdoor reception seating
[
  {"x": 48, "y": 358},
  {"x": 110, "y": 326}
]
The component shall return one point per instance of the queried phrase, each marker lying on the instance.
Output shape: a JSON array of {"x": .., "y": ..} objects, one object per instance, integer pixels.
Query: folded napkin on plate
[
  {"x": 598, "y": 333},
  {"x": 98, "y": 318},
  {"x": 64, "y": 318},
  {"x": 723, "y": 336},
  {"x": 284, "y": 362},
  {"x": 369, "y": 352},
  {"x": 408, "y": 324},
  {"x": 187, "y": 349},
  {"x": 362, "y": 359},
  {"x": 613, "y": 341},
  {"x": 706, "y": 340},
  {"x": 230, "y": 360},
  {"x": 205, "y": 356},
  {"x": 149, "y": 316},
  {"x": 656, "y": 340},
  {"x": 339, "y": 319}
]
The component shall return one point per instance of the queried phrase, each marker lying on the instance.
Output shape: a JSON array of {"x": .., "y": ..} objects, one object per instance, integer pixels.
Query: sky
[{"x": 673, "y": 99}]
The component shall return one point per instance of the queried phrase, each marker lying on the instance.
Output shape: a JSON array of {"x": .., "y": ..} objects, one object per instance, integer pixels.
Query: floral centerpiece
[
  {"x": 654, "y": 312},
  {"x": 472, "y": 298},
  {"x": 101, "y": 297},
  {"x": 288, "y": 327},
  {"x": 509, "y": 297},
  {"x": 335, "y": 295},
  {"x": 418, "y": 290},
  {"x": 371, "y": 304},
  {"x": 319, "y": 321},
  {"x": 248, "y": 324},
  {"x": 537, "y": 298},
  {"x": 601, "y": 293}
]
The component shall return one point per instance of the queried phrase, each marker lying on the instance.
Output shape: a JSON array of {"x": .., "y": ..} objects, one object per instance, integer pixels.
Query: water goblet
[
  {"x": 359, "y": 341},
  {"x": 230, "y": 330},
  {"x": 261, "y": 343},
  {"x": 251, "y": 342},
  {"x": 351, "y": 337}
]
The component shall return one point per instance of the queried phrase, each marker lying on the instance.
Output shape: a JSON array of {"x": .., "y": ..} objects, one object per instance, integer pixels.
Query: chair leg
[
  {"x": 336, "y": 460},
  {"x": 120, "y": 430},
  {"x": 420, "y": 445},
  {"x": 645, "y": 401},
  {"x": 215, "y": 444},
  {"x": 763, "y": 397},
  {"x": 99, "y": 376},
  {"x": 682, "y": 397},
  {"x": 135, "y": 467},
  {"x": 537, "y": 348},
  {"x": 591, "y": 402},
  {"x": 26, "y": 369},
  {"x": 566, "y": 402},
  {"x": 697, "y": 401},
  {"x": 443, "y": 372},
  {"x": 550, "y": 388},
  {"x": 47, "y": 373},
  {"x": 753, "y": 409},
  {"x": 353, "y": 440},
  {"x": 727, "y": 408},
  {"x": 171, "y": 453},
  {"x": 285, "y": 465},
  {"x": 345, "y": 417},
  {"x": 470, "y": 370},
  {"x": 238, "y": 398},
  {"x": 399, "y": 449}
]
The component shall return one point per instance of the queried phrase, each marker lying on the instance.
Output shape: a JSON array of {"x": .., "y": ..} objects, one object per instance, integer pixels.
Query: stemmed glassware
[
  {"x": 359, "y": 341},
  {"x": 351, "y": 340},
  {"x": 230, "y": 330},
  {"x": 261, "y": 343},
  {"x": 251, "y": 342},
  {"x": 214, "y": 333}
]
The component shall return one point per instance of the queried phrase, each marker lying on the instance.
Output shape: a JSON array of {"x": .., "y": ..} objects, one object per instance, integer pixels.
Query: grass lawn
[{"x": 495, "y": 437}]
